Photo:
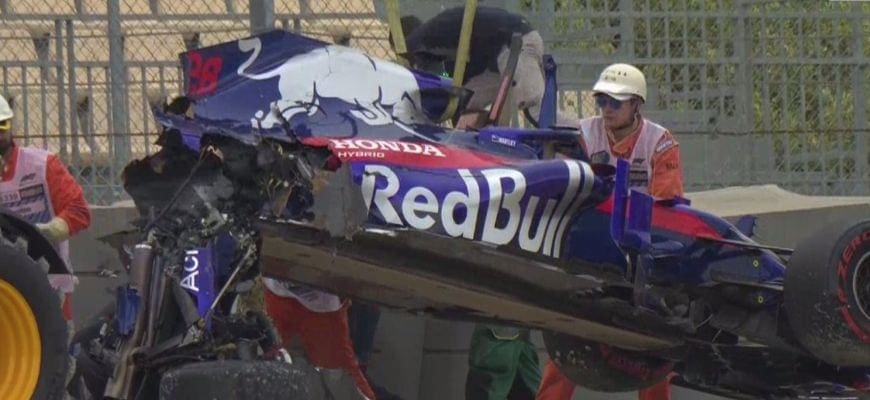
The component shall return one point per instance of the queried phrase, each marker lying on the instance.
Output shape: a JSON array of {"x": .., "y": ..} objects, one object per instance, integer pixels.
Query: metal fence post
[
  {"x": 547, "y": 15},
  {"x": 118, "y": 92},
  {"x": 626, "y": 29},
  {"x": 862, "y": 160},
  {"x": 304, "y": 12},
  {"x": 61, "y": 112},
  {"x": 744, "y": 97},
  {"x": 73, "y": 103},
  {"x": 262, "y": 16},
  {"x": 41, "y": 39},
  {"x": 230, "y": 6}
]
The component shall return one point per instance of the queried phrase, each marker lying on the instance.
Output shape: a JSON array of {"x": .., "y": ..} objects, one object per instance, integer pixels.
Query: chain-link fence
[
  {"x": 771, "y": 91},
  {"x": 757, "y": 91},
  {"x": 80, "y": 73}
]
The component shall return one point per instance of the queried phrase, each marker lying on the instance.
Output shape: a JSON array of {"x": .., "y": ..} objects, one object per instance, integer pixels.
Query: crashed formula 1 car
[{"x": 327, "y": 157}]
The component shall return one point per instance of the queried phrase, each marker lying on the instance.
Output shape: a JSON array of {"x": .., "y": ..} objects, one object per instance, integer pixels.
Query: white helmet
[
  {"x": 622, "y": 82},
  {"x": 5, "y": 110}
]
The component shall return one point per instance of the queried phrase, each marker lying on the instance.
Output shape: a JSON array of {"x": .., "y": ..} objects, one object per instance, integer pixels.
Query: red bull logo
[{"x": 504, "y": 212}]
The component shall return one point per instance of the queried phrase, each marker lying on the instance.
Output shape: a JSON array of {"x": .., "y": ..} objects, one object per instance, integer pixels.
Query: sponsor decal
[
  {"x": 191, "y": 270},
  {"x": 504, "y": 141},
  {"x": 31, "y": 202},
  {"x": 32, "y": 191},
  {"x": 9, "y": 197},
  {"x": 494, "y": 205},
  {"x": 29, "y": 177},
  {"x": 378, "y": 92},
  {"x": 198, "y": 277},
  {"x": 362, "y": 148},
  {"x": 638, "y": 178},
  {"x": 415, "y": 154},
  {"x": 666, "y": 142}
]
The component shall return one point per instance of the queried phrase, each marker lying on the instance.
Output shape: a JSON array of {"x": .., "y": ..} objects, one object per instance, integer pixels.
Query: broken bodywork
[{"x": 329, "y": 155}]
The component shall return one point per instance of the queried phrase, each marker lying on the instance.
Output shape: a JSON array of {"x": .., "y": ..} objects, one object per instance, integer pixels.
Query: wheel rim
[
  {"x": 20, "y": 347},
  {"x": 861, "y": 285}
]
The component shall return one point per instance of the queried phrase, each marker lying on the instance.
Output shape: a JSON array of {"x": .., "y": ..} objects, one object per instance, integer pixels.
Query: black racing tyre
[
  {"x": 239, "y": 380},
  {"x": 603, "y": 368},
  {"x": 827, "y": 293},
  {"x": 33, "y": 333}
]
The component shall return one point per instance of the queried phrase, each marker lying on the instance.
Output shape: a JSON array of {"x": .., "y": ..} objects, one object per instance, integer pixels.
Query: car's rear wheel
[
  {"x": 604, "y": 368},
  {"x": 33, "y": 334},
  {"x": 827, "y": 293}
]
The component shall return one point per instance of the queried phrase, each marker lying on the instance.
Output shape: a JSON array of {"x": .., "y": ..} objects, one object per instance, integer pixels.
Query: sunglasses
[
  {"x": 607, "y": 101},
  {"x": 5, "y": 125}
]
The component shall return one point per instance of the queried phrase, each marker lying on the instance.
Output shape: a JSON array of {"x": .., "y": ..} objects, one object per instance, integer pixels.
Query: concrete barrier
[
  {"x": 422, "y": 358},
  {"x": 88, "y": 254}
]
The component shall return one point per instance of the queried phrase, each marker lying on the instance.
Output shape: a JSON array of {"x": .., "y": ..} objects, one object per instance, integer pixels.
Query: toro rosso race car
[{"x": 332, "y": 156}]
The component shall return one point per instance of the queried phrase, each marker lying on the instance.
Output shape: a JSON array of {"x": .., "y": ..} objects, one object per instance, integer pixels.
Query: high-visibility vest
[
  {"x": 27, "y": 194},
  {"x": 598, "y": 149}
]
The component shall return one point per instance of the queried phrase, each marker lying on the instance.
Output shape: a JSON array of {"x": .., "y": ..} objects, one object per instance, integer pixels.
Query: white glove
[{"x": 55, "y": 230}]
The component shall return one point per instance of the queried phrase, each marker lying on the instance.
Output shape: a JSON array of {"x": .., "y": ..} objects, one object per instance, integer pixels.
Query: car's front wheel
[{"x": 827, "y": 293}]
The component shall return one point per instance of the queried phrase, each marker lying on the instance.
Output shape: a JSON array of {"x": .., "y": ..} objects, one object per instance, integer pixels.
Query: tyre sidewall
[
  {"x": 29, "y": 279},
  {"x": 820, "y": 301},
  {"x": 851, "y": 249}
]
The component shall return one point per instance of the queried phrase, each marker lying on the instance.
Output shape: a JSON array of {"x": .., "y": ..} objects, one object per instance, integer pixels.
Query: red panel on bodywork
[{"x": 671, "y": 219}]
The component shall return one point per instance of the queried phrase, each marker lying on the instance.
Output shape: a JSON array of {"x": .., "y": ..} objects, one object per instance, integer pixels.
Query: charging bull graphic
[{"x": 371, "y": 87}]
